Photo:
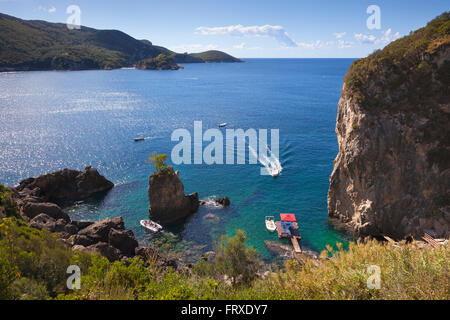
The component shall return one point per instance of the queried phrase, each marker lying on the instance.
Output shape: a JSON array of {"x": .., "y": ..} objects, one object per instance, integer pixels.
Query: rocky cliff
[
  {"x": 167, "y": 202},
  {"x": 392, "y": 174}
]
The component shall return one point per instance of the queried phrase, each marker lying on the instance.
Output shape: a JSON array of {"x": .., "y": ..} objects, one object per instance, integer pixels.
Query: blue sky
[{"x": 246, "y": 28}]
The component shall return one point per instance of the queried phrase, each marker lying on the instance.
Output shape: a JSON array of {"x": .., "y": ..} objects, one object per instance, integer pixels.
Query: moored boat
[
  {"x": 151, "y": 225},
  {"x": 270, "y": 223}
]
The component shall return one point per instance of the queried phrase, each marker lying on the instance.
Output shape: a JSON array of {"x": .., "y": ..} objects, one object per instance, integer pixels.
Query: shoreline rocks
[
  {"x": 224, "y": 202},
  {"x": 63, "y": 185}
]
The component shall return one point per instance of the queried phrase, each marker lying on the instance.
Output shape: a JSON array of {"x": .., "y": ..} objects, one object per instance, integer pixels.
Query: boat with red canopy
[
  {"x": 287, "y": 228},
  {"x": 288, "y": 217}
]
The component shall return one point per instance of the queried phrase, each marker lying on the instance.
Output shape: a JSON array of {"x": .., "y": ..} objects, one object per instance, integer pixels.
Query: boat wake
[{"x": 271, "y": 163}]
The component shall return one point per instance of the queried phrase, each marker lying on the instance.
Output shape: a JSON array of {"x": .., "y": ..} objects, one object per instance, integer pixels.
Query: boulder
[
  {"x": 32, "y": 209},
  {"x": 279, "y": 249},
  {"x": 70, "y": 228},
  {"x": 65, "y": 185},
  {"x": 167, "y": 202},
  {"x": 82, "y": 224},
  {"x": 79, "y": 248},
  {"x": 224, "y": 201},
  {"x": 146, "y": 253},
  {"x": 60, "y": 225},
  {"x": 83, "y": 240},
  {"x": 106, "y": 250},
  {"x": 123, "y": 240},
  {"x": 100, "y": 230},
  {"x": 43, "y": 222}
]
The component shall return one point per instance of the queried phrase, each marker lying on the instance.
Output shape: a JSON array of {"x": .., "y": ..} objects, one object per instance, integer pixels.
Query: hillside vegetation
[
  {"x": 215, "y": 56},
  {"x": 33, "y": 266},
  {"x": 406, "y": 69},
  {"x": 412, "y": 76},
  {"x": 40, "y": 45}
]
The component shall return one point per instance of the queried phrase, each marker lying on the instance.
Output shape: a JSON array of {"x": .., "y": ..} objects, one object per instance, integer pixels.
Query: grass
[{"x": 33, "y": 265}]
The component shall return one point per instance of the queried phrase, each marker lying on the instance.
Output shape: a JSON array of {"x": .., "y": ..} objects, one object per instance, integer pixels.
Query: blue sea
[{"x": 54, "y": 120}]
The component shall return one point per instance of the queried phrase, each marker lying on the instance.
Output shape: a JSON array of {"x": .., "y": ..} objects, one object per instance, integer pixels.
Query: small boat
[
  {"x": 151, "y": 225},
  {"x": 223, "y": 125},
  {"x": 275, "y": 172},
  {"x": 139, "y": 139},
  {"x": 270, "y": 223}
]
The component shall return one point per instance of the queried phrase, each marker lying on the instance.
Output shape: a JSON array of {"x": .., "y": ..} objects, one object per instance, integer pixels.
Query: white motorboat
[
  {"x": 270, "y": 223},
  {"x": 223, "y": 125},
  {"x": 151, "y": 225},
  {"x": 275, "y": 172}
]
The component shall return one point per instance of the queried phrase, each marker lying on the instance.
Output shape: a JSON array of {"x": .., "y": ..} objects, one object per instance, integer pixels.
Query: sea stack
[
  {"x": 167, "y": 202},
  {"x": 392, "y": 174}
]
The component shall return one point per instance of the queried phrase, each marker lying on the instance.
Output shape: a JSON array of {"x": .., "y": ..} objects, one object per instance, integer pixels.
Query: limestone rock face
[
  {"x": 167, "y": 202},
  {"x": 392, "y": 175},
  {"x": 64, "y": 185}
]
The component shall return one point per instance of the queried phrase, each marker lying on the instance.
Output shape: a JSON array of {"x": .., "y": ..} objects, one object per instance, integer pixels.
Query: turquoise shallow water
[{"x": 55, "y": 120}]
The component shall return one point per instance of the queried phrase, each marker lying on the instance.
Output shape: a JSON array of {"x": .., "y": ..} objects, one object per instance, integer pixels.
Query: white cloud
[
  {"x": 342, "y": 44},
  {"x": 339, "y": 35},
  {"x": 314, "y": 44},
  {"x": 363, "y": 38},
  {"x": 193, "y": 48},
  {"x": 52, "y": 9},
  {"x": 388, "y": 36},
  {"x": 276, "y": 32},
  {"x": 239, "y": 46}
]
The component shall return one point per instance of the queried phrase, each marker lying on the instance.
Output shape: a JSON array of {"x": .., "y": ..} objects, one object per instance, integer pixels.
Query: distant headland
[{"x": 29, "y": 45}]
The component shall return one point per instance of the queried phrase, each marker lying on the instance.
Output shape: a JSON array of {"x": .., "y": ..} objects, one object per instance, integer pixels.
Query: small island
[{"x": 161, "y": 62}]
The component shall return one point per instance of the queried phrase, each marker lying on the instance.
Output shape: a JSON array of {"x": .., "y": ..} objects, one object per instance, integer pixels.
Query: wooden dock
[
  {"x": 295, "y": 244},
  {"x": 295, "y": 237}
]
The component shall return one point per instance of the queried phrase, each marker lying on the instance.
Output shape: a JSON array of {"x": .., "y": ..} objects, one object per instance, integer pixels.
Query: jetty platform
[{"x": 293, "y": 235}]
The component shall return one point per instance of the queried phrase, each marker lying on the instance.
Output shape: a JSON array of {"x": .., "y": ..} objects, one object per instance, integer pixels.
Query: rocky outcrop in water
[
  {"x": 161, "y": 62},
  {"x": 63, "y": 185},
  {"x": 392, "y": 174},
  {"x": 167, "y": 202}
]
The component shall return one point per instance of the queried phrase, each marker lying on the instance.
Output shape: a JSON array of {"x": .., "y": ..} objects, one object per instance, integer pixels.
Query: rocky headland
[
  {"x": 392, "y": 174},
  {"x": 161, "y": 62},
  {"x": 54, "y": 47}
]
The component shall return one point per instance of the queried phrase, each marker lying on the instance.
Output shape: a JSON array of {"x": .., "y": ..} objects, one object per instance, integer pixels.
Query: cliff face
[{"x": 392, "y": 174}]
